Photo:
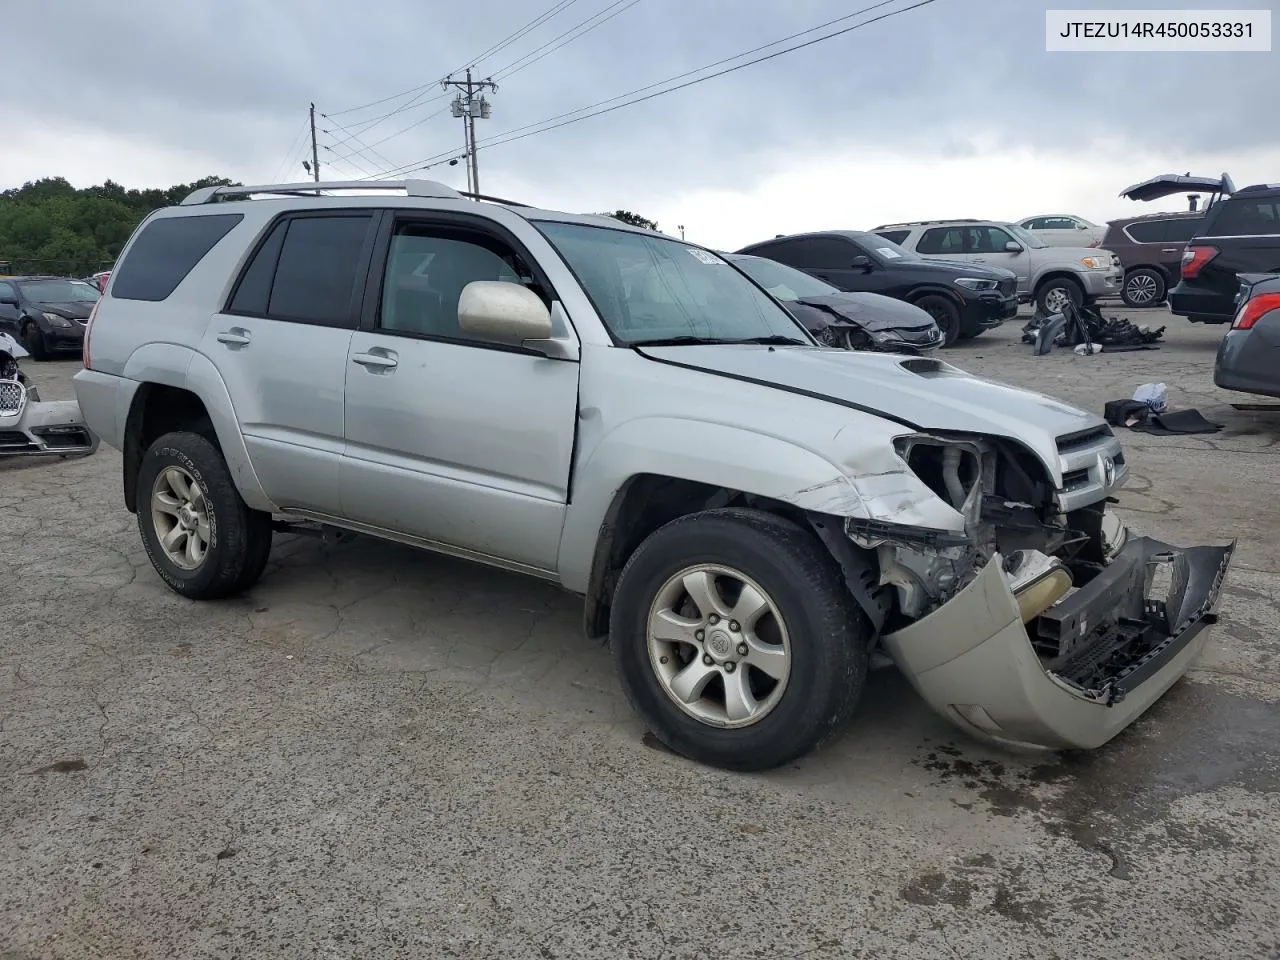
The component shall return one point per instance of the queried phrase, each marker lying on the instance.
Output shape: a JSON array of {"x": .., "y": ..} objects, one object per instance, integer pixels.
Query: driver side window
[{"x": 427, "y": 269}]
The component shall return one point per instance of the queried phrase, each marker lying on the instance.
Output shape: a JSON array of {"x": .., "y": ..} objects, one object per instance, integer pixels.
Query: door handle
[
  {"x": 375, "y": 362},
  {"x": 1170, "y": 249},
  {"x": 235, "y": 337}
]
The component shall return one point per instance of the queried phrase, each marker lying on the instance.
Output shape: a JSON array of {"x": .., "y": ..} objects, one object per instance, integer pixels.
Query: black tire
[
  {"x": 1069, "y": 286},
  {"x": 239, "y": 536},
  {"x": 829, "y": 636},
  {"x": 33, "y": 340},
  {"x": 945, "y": 314},
  {"x": 1143, "y": 287}
]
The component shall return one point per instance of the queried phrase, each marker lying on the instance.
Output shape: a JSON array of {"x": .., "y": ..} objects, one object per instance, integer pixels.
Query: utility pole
[
  {"x": 680, "y": 227},
  {"x": 467, "y": 105},
  {"x": 315, "y": 153}
]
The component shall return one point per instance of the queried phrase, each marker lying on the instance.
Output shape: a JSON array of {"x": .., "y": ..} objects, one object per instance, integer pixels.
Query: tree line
[{"x": 50, "y": 227}]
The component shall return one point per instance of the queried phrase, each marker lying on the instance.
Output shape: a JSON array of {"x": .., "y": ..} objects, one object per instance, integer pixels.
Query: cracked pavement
[{"x": 382, "y": 753}]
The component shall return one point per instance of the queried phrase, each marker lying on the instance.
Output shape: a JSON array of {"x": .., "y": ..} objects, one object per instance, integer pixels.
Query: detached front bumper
[
  {"x": 41, "y": 427},
  {"x": 1118, "y": 650}
]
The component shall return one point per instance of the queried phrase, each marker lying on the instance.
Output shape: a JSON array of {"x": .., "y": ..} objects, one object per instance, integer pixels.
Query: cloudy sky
[{"x": 952, "y": 109}]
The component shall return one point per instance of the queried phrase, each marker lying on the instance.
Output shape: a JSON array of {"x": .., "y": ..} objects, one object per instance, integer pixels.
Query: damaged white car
[
  {"x": 750, "y": 516},
  {"x": 30, "y": 426}
]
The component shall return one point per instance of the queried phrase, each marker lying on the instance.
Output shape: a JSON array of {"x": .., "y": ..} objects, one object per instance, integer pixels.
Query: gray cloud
[{"x": 230, "y": 81}]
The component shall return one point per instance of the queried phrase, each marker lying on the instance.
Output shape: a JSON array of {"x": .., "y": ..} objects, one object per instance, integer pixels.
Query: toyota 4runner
[{"x": 749, "y": 516}]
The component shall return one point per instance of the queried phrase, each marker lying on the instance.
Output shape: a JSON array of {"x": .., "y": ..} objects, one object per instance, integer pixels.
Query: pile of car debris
[{"x": 1085, "y": 325}]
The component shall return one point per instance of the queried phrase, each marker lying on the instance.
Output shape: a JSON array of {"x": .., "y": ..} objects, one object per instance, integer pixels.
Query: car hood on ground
[
  {"x": 926, "y": 394},
  {"x": 73, "y": 311},
  {"x": 871, "y": 311}
]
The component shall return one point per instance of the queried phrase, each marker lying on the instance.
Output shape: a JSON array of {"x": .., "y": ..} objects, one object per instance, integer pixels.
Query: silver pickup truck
[{"x": 751, "y": 518}]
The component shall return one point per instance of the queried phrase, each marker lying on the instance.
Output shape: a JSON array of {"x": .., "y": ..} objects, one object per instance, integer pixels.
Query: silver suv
[
  {"x": 749, "y": 516},
  {"x": 1049, "y": 276}
]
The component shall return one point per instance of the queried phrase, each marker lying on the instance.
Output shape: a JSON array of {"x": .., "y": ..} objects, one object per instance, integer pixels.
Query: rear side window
[
  {"x": 940, "y": 240},
  {"x": 1243, "y": 217},
  {"x": 166, "y": 251},
  {"x": 306, "y": 271},
  {"x": 1164, "y": 231},
  {"x": 894, "y": 236}
]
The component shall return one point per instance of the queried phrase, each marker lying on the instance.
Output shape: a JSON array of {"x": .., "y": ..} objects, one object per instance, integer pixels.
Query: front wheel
[
  {"x": 33, "y": 340},
  {"x": 945, "y": 314},
  {"x": 201, "y": 537},
  {"x": 1054, "y": 294},
  {"x": 736, "y": 639}
]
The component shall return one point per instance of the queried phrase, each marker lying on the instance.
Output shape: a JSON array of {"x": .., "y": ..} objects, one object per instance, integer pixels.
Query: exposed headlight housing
[{"x": 976, "y": 284}]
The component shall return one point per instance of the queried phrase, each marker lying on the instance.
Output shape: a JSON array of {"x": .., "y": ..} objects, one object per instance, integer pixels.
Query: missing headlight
[{"x": 951, "y": 469}]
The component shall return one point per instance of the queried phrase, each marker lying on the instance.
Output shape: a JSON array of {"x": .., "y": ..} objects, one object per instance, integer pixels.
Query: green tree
[
  {"x": 48, "y": 226},
  {"x": 626, "y": 216}
]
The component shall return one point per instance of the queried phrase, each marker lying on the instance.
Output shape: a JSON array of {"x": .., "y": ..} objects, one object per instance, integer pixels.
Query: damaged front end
[
  {"x": 30, "y": 426},
  {"x": 1034, "y": 619}
]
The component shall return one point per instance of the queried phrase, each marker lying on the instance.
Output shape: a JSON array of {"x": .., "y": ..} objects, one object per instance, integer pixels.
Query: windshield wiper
[{"x": 772, "y": 340}]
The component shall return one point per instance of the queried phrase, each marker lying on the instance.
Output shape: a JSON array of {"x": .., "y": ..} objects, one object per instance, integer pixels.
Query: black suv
[
  {"x": 964, "y": 299},
  {"x": 1238, "y": 235}
]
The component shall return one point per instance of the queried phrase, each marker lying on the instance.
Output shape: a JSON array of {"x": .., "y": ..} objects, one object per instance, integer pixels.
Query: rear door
[
  {"x": 977, "y": 243},
  {"x": 452, "y": 438},
  {"x": 829, "y": 258},
  {"x": 1160, "y": 243},
  {"x": 281, "y": 347}
]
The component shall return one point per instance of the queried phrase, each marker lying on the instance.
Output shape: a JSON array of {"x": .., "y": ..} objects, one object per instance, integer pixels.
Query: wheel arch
[{"x": 181, "y": 389}]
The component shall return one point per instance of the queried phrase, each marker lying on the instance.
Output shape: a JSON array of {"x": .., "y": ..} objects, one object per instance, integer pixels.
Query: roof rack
[
  {"x": 929, "y": 223},
  {"x": 1258, "y": 188},
  {"x": 411, "y": 188}
]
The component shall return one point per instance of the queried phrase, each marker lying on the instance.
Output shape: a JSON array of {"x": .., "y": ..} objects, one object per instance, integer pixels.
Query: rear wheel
[
  {"x": 945, "y": 314},
  {"x": 736, "y": 639},
  {"x": 201, "y": 537},
  {"x": 1143, "y": 287}
]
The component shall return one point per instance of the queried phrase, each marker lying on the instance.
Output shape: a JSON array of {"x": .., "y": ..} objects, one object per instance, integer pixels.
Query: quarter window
[
  {"x": 166, "y": 251},
  {"x": 1164, "y": 231},
  {"x": 1243, "y": 217}
]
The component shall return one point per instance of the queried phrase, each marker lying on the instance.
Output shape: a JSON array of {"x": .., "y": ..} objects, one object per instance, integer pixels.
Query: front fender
[
  {"x": 172, "y": 365},
  {"x": 718, "y": 455}
]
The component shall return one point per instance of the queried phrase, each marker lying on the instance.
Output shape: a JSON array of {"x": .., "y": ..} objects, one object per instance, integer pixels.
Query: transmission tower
[{"x": 469, "y": 104}]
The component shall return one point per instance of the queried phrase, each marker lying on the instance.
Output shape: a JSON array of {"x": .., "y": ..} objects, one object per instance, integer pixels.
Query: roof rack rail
[
  {"x": 489, "y": 199},
  {"x": 412, "y": 188}
]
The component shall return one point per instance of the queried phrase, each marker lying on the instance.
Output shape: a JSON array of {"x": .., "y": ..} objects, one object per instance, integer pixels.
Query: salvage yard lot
[{"x": 382, "y": 753}]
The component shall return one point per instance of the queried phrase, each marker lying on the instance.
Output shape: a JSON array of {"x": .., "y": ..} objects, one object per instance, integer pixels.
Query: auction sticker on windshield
[
  {"x": 888, "y": 253},
  {"x": 1143, "y": 31},
  {"x": 705, "y": 256}
]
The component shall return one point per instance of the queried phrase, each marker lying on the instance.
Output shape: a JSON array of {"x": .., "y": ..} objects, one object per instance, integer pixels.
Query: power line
[
  {"x": 547, "y": 125},
  {"x": 556, "y": 8},
  {"x": 292, "y": 152},
  {"x": 365, "y": 148},
  {"x": 508, "y": 69}
]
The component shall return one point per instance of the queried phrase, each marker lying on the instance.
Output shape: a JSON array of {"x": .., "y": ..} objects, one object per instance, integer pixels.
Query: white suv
[{"x": 748, "y": 515}]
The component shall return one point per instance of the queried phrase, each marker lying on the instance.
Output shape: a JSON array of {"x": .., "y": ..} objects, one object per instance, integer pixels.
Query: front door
[
  {"x": 281, "y": 348},
  {"x": 978, "y": 243},
  {"x": 452, "y": 438}
]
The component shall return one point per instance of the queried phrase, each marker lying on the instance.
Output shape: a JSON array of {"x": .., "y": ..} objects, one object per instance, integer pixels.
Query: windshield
[
  {"x": 1028, "y": 238},
  {"x": 649, "y": 288},
  {"x": 785, "y": 283},
  {"x": 58, "y": 291},
  {"x": 886, "y": 249}
]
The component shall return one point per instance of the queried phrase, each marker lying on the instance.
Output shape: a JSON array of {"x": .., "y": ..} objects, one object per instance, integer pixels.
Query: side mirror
[
  {"x": 1081, "y": 226},
  {"x": 9, "y": 300},
  {"x": 861, "y": 263},
  {"x": 505, "y": 312},
  {"x": 1012, "y": 247}
]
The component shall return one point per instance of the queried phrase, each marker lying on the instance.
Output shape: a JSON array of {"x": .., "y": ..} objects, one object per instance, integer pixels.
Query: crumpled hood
[
  {"x": 927, "y": 394},
  {"x": 871, "y": 311}
]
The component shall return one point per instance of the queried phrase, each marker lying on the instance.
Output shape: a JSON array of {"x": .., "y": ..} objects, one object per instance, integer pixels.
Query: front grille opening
[
  {"x": 1075, "y": 480},
  {"x": 1085, "y": 438},
  {"x": 61, "y": 438}
]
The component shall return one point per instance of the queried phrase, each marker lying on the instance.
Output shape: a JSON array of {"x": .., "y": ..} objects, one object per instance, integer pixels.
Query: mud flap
[{"x": 974, "y": 662}]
